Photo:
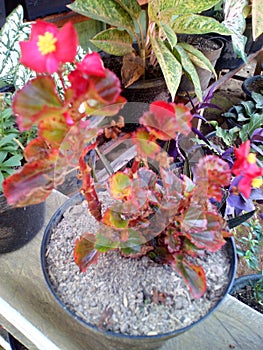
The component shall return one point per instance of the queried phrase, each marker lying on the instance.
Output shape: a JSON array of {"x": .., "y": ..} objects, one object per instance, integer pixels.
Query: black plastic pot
[
  {"x": 139, "y": 95},
  {"x": 102, "y": 340},
  {"x": 246, "y": 280},
  {"x": 18, "y": 226},
  {"x": 2, "y": 13},
  {"x": 253, "y": 84}
]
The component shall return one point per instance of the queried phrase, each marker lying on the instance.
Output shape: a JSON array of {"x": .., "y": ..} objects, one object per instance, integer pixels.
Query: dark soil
[{"x": 246, "y": 296}]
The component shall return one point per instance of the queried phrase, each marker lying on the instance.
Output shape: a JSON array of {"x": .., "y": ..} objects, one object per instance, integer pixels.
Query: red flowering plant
[{"x": 153, "y": 211}]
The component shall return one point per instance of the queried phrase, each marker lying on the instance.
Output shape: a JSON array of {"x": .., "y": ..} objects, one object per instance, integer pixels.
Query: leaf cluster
[{"x": 155, "y": 32}]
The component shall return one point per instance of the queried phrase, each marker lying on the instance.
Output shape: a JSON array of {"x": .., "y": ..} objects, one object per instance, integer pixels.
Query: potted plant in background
[
  {"x": 152, "y": 214},
  {"x": 155, "y": 33},
  {"x": 17, "y": 225}
]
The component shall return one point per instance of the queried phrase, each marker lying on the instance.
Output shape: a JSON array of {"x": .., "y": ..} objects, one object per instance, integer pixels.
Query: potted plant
[
  {"x": 154, "y": 31},
  {"x": 150, "y": 214},
  {"x": 249, "y": 290},
  {"x": 18, "y": 225}
]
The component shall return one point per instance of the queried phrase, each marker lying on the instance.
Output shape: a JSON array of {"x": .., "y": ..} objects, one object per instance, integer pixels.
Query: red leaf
[
  {"x": 36, "y": 149},
  {"x": 194, "y": 276},
  {"x": 34, "y": 100},
  {"x": 85, "y": 253},
  {"x": 212, "y": 174},
  {"x": 165, "y": 120},
  {"x": 34, "y": 182}
]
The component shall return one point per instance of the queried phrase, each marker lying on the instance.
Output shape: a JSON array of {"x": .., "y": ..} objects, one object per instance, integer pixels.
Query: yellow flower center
[
  {"x": 46, "y": 43},
  {"x": 257, "y": 182},
  {"x": 251, "y": 158}
]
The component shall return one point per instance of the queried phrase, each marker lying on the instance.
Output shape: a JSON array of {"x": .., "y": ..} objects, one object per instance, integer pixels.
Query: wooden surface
[{"x": 29, "y": 311}]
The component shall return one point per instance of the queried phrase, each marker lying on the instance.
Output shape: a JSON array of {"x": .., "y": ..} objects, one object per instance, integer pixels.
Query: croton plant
[{"x": 153, "y": 211}]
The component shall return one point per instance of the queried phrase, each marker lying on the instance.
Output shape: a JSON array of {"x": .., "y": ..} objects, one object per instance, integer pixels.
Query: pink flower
[
  {"x": 48, "y": 46},
  {"x": 92, "y": 64},
  {"x": 245, "y": 165}
]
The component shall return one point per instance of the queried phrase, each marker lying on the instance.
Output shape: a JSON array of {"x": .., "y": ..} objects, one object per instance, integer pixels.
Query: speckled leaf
[
  {"x": 198, "y": 58},
  {"x": 236, "y": 23},
  {"x": 171, "y": 68},
  {"x": 108, "y": 11},
  {"x": 196, "y": 24},
  {"x": 189, "y": 70},
  {"x": 113, "y": 41},
  {"x": 131, "y": 6},
  {"x": 257, "y": 18},
  {"x": 34, "y": 100},
  {"x": 178, "y": 7},
  {"x": 170, "y": 34}
]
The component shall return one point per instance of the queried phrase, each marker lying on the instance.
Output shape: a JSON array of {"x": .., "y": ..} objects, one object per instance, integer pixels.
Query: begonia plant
[{"x": 153, "y": 211}]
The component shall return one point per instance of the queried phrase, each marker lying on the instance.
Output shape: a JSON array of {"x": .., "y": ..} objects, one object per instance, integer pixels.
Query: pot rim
[{"x": 56, "y": 218}]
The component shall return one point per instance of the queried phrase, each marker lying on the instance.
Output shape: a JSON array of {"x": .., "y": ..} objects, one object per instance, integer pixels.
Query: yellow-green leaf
[
  {"x": 113, "y": 41},
  {"x": 198, "y": 58},
  {"x": 257, "y": 18},
  {"x": 120, "y": 185},
  {"x": 179, "y": 7},
  {"x": 197, "y": 24},
  {"x": 171, "y": 68},
  {"x": 170, "y": 34},
  {"x": 189, "y": 70},
  {"x": 107, "y": 11},
  {"x": 131, "y": 6}
]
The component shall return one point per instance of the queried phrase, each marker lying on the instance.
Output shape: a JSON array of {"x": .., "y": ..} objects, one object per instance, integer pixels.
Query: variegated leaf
[
  {"x": 131, "y": 6},
  {"x": 171, "y": 68},
  {"x": 107, "y": 11},
  {"x": 198, "y": 58},
  {"x": 113, "y": 41},
  {"x": 189, "y": 70},
  {"x": 236, "y": 23},
  {"x": 257, "y": 18},
  {"x": 197, "y": 24},
  {"x": 179, "y": 7},
  {"x": 169, "y": 33}
]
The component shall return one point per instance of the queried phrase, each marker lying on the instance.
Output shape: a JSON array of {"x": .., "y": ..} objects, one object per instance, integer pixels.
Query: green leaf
[
  {"x": 198, "y": 58},
  {"x": 104, "y": 241},
  {"x": 2, "y": 156},
  {"x": 14, "y": 161},
  {"x": 170, "y": 34},
  {"x": 113, "y": 41},
  {"x": 197, "y": 24},
  {"x": 189, "y": 70},
  {"x": 171, "y": 68},
  {"x": 130, "y": 6},
  {"x": 108, "y": 11},
  {"x": 114, "y": 219},
  {"x": 247, "y": 129}
]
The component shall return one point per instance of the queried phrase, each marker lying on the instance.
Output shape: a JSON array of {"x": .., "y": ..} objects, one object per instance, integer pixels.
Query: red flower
[
  {"x": 164, "y": 120},
  {"x": 245, "y": 165},
  {"x": 92, "y": 65},
  {"x": 48, "y": 46}
]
